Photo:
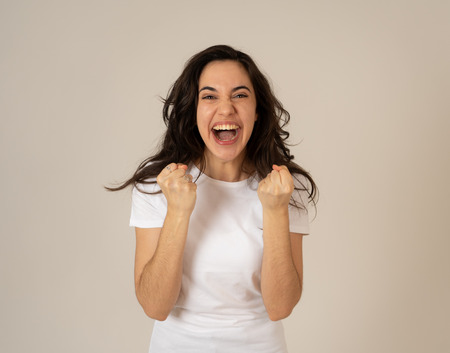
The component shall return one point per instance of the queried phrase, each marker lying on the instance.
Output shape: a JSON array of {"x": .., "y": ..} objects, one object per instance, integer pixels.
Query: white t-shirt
[{"x": 220, "y": 307}]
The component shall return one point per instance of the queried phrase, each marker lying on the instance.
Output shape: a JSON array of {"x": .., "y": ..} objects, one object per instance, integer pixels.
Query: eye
[
  {"x": 208, "y": 97},
  {"x": 241, "y": 95}
]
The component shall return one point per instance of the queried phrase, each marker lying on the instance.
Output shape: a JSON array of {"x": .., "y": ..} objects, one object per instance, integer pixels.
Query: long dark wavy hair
[{"x": 182, "y": 142}]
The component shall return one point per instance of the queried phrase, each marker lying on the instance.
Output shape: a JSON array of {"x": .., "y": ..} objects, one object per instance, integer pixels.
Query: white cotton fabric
[{"x": 220, "y": 308}]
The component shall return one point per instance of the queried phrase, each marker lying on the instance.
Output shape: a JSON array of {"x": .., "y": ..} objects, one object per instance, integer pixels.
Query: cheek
[
  {"x": 202, "y": 121},
  {"x": 250, "y": 116},
  {"x": 204, "y": 115}
]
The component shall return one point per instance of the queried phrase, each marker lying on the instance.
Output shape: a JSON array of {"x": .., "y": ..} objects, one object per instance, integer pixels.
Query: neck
[{"x": 230, "y": 171}]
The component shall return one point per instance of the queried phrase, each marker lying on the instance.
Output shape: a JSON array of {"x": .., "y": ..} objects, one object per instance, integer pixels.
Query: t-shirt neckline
[{"x": 230, "y": 184}]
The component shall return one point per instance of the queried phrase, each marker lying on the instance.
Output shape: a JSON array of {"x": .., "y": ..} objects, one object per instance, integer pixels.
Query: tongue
[{"x": 226, "y": 135}]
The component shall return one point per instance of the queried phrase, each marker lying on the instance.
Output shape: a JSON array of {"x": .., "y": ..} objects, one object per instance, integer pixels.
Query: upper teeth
[{"x": 226, "y": 127}]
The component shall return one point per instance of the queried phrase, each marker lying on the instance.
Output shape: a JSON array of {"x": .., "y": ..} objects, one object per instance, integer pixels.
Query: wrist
[
  {"x": 276, "y": 212},
  {"x": 178, "y": 214}
]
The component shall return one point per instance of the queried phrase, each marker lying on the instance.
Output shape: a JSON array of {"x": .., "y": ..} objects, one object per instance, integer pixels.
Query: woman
[{"x": 219, "y": 250}]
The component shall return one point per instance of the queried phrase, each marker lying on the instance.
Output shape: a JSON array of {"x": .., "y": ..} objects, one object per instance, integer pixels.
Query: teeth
[{"x": 226, "y": 127}]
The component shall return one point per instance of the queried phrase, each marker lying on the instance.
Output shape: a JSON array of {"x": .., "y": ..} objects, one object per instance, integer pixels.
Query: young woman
[{"x": 220, "y": 211}]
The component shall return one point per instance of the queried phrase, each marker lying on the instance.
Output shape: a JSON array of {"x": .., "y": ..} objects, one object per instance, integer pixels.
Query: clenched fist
[
  {"x": 276, "y": 189},
  {"x": 178, "y": 188}
]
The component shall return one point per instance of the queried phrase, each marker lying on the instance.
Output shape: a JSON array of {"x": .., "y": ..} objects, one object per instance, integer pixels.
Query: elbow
[
  {"x": 280, "y": 314},
  {"x": 159, "y": 315},
  {"x": 281, "y": 310},
  {"x": 155, "y": 312}
]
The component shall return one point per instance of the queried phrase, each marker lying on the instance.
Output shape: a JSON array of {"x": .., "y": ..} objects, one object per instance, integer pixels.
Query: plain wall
[{"x": 367, "y": 84}]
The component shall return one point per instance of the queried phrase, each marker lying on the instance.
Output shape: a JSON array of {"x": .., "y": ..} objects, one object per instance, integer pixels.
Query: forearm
[
  {"x": 160, "y": 282},
  {"x": 281, "y": 285}
]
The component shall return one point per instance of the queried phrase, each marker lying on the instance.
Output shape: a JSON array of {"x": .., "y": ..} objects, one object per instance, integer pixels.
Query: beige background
[{"x": 367, "y": 84}]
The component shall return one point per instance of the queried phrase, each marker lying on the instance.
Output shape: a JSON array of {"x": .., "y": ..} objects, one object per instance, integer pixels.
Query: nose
[{"x": 225, "y": 108}]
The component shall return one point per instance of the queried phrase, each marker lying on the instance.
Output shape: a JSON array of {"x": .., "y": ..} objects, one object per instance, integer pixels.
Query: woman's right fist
[{"x": 178, "y": 188}]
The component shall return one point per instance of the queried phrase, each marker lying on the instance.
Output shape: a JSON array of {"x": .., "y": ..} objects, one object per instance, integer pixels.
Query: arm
[
  {"x": 159, "y": 251},
  {"x": 282, "y": 268}
]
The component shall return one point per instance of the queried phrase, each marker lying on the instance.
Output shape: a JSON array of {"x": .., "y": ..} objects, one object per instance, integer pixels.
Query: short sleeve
[
  {"x": 147, "y": 210},
  {"x": 299, "y": 217}
]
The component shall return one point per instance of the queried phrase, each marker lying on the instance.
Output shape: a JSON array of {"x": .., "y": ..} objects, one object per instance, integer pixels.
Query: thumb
[{"x": 276, "y": 167}]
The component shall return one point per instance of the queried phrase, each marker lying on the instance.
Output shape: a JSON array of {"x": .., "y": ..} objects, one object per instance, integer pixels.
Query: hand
[
  {"x": 276, "y": 189},
  {"x": 178, "y": 188}
]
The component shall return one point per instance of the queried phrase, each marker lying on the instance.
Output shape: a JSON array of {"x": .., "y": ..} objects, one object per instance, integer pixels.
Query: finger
[
  {"x": 286, "y": 177},
  {"x": 164, "y": 174},
  {"x": 275, "y": 176},
  {"x": 178, "y": 173},
  {"x": 182, "y": 166},
  {"x": 280, "y": 168},
  {"x": 188, "y": 178},
  {"x": 168, "y": 169},
  {"x": 284, "y": 170},
  {"x": 276, "y": 167}
]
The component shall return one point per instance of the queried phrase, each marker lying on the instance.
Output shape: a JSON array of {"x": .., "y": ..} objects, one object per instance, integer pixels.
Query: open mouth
[{"x": 226, "y": 132}]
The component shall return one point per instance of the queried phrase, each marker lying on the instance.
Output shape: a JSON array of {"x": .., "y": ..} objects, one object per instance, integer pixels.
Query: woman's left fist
[{"x": 276, "y": 189}]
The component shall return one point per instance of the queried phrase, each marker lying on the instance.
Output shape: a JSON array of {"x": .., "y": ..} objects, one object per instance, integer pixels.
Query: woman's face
[{"x": 226, "y": 110}]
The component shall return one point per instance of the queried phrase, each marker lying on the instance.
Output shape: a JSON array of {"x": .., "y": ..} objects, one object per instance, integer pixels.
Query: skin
[{"x": 225, "y": 96}]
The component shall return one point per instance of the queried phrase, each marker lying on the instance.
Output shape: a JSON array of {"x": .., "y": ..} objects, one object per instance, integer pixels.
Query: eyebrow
[{"x": 209, "y": 88}]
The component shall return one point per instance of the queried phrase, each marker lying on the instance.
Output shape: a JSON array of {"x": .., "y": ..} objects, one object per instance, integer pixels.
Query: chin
[{"x": 224, "y": 156}]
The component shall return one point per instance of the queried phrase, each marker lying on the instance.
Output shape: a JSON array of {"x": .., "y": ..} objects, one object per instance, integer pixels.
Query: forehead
[{"x": 224, "y": 73}]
